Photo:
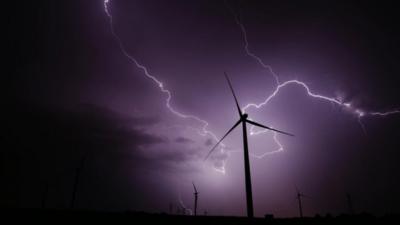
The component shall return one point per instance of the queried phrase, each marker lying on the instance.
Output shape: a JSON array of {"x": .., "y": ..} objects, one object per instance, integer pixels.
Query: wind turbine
[
  {"x": 244, "y": 120},
  {"x": 350, "y": 203},
  {"x": 299, "y": 196},
  {"x": 195, "y": 198},
  {"x": 76, "y": 181}
]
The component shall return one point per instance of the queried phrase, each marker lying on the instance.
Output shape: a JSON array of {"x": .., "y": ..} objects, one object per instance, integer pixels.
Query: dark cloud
[
  {"x": 218, "y": 158},
  {"x": 40, "y": 143},
  {"x": 182, "y": 155},
  {"x": 97, "y": 112},
  {"x": 183, "y": 140},
  {"x": 208, "y": 142}
]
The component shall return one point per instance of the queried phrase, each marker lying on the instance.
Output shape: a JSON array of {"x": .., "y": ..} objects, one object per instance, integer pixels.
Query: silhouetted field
[{"x": 93, "y": 217}]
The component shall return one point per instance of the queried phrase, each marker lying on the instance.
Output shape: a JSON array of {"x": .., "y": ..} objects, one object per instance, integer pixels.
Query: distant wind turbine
[
  {"x": 349, "y": 204},
  {"x": 299, "y": 196},
  {"x": 195, "y": 199},
  {"x": 76, "y": 181},
  {"x": 243, "y": 120}
]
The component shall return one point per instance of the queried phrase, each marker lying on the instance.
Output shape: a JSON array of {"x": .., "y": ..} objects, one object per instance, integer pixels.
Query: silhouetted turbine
[
  {"x": 45, "y": 194},
  {"x": 349, "y": 204},
  {"x": 76, "y": 181},
  {"x": 243, "y": 119},
  {"x": 299, "y": 196},
  {"x": 195, "y": 198}
]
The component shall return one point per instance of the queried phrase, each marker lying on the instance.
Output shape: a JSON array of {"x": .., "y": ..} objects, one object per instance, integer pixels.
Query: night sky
[{"x": 75, "y": 94}]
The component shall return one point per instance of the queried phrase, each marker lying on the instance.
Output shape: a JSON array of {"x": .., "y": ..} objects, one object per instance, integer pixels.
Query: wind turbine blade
[
  {"x": 194, "y": 186},
  {"x": 233, "y": 93},
  {"x": 269, "y": 128},
  {"x": 215, "y": 146}
]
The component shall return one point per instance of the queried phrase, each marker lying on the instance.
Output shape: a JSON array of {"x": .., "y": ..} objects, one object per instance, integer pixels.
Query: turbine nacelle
[{"x": 243, "y": 119}]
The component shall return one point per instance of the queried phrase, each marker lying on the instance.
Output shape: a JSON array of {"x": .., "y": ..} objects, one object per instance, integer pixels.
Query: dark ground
[{"x": 93, "y": 217}]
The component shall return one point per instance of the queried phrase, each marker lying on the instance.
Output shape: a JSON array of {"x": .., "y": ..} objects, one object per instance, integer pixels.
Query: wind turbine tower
[
  {"x": 76, "y": 181},
  {"x": 299, "y": 196},
  {"x": 243, "y": 119},
  {"x": 350, "y": 204},
  {"x": 196, "y": 194}
]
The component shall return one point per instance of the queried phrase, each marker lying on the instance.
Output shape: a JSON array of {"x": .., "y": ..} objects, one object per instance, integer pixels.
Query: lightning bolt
[
  {"x": 279, "y": 86},
  {"x": 184, "y": 206},
  {"x": 160, "y": 85},
  {"x": 277, "y": 142},
  {"x": 246, "y": 44},
  {"x": 359, "y": 113}
]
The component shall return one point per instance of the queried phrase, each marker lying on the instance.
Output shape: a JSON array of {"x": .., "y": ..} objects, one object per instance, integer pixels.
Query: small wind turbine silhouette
[
  {"x": 195, "y": 198},
  {"x": 77, "y": 177},
  {"x": 350, "y": 203},
  {"x": 299, "y": 196},
  {"x": 243, "y": 119}
]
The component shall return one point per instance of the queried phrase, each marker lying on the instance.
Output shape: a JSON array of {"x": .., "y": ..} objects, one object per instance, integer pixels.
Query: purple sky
[{"x": 79, "y": 89}]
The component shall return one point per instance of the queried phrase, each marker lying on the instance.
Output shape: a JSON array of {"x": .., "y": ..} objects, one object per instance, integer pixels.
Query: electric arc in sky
[
  {"x": 204, "y": 130},
  {"x": 356, "y": 111},
  {"x": 359, "y": 113}
]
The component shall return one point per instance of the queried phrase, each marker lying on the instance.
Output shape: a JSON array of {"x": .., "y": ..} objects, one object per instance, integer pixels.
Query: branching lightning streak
[
  {"x": 183, "y": 206},
  {"x": 246, "y": 45},
  {"x": 204, "y": 124},
  {"x": 161, "y": 86},
  {"x": 356, "y": 111},
  {"x": 275, "y": 138}
]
